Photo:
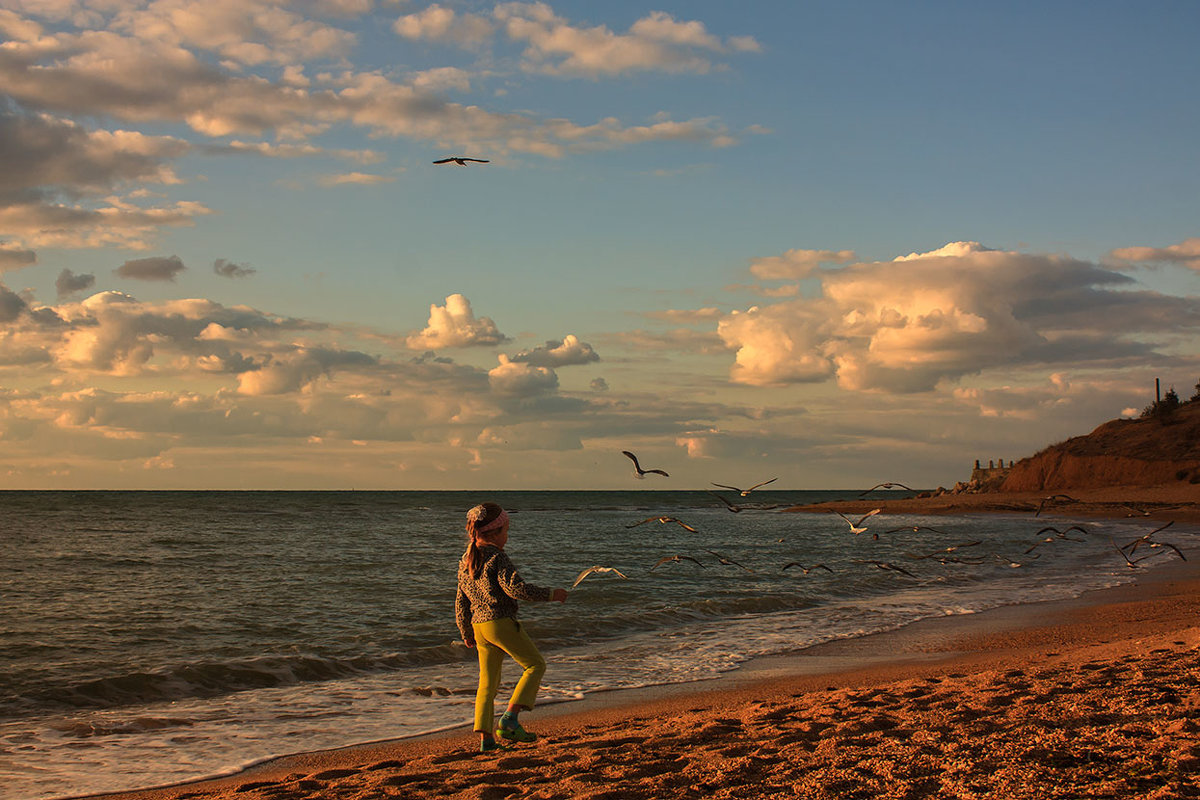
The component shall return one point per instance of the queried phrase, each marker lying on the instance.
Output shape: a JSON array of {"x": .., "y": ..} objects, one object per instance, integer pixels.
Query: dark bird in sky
[
  {"x": 745, "y": 492},
  {"x": 461, "y": 160},
  {"x": 805, "y": 569},
  {"x": 664, "y": 521},
  {"x": 595, "y": 569},
  {"x": 857, "y": 527},
  {"x": 676, "y": 560},
  {"x": 886, "y": 565},
  {"x": 887, "y": 486},
  {"x": 734, "y": 508},
  {"x": 729, "y": 562},
  {"x": 641, "y": 473}
]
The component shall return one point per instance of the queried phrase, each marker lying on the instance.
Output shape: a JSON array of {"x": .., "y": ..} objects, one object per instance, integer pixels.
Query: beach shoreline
[{"x": 1035, "y": 700}]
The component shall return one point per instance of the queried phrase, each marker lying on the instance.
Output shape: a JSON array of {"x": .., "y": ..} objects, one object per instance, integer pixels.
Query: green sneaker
[
  {"x": 517, "y": 734},
  {"x": 493, "y": 747}
]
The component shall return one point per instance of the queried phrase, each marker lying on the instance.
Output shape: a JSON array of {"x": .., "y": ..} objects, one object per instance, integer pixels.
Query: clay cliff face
[{"x": 1123, "y": 452}]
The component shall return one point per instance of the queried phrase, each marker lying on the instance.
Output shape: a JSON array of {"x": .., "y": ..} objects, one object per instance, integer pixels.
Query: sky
[{"x": 835, "y": 244}]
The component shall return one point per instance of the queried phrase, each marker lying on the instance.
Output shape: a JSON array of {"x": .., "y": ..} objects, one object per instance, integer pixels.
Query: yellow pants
[{"x": 492, "y": 640}]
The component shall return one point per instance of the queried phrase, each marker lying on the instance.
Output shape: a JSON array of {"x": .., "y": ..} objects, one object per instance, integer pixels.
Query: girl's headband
[{"x": 496, "y": 524}]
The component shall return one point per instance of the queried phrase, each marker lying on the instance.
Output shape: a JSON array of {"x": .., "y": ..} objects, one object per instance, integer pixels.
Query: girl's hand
[
  {"x": 559, "y": 595},
  {"x": 468, "y": 644}
]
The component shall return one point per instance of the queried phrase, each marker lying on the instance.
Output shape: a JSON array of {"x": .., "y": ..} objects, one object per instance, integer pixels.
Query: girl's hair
[{"x": 478, "y": 518}]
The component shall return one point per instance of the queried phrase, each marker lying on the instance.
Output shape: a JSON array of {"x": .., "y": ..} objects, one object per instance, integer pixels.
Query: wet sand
[{"x": 1093, "y": 697}]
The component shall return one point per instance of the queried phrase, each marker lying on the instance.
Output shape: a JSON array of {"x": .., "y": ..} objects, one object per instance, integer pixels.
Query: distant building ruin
[{"x": 991, "y": 475}]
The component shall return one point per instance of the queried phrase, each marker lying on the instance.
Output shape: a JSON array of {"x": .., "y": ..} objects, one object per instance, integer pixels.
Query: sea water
[{"x": 149, "y": 638}]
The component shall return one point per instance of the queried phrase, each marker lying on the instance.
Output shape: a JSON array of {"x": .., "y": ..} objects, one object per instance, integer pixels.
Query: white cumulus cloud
[{"x": 455, "y": 325}]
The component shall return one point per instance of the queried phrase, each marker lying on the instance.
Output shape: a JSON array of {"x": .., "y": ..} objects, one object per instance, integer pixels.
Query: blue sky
[{"x": 683, "y": 243}]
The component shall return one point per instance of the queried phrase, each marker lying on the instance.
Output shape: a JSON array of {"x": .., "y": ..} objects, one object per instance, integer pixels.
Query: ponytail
[{"x": 481, "y": 521}]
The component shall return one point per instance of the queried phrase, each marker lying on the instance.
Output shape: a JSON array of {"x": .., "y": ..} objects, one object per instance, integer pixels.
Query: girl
[{"x": 486, "y": 611}]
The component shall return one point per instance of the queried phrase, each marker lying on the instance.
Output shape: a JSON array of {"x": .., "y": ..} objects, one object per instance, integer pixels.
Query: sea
[{"x": 151, "y": 638}]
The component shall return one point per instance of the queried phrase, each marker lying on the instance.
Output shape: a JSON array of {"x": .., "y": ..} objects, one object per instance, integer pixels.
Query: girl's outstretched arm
[{"x": 513, "y": 585}]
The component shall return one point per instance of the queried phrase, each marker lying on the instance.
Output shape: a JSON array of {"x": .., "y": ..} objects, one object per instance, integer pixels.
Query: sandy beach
[{"x": 1093, "y": 697}]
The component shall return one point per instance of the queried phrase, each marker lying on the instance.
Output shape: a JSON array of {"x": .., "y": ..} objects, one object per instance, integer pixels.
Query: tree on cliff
[{"x": 1162, "y": 408}]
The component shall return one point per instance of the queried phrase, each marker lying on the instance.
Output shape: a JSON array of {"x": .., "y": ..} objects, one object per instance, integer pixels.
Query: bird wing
[
  {"x": 843, "y": 516},
  {"x": 764, "y": 483},
  {"x": 632, "y": 458},
  {"x": 478, "y": 160},
  {"x": 731, "y": 488},
  {"x": 658, "y": 472},
  {"x": 682, "y": 524},
  {"x": 583, "y": 575},
  {"x": 643, "y": 522},
  {"x": 864, "y": 517},
  {"x": 444, "y": 161}
]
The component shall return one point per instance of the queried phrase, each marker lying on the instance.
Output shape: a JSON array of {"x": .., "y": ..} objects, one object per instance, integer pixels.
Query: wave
[{"x": 217, "y": 678}]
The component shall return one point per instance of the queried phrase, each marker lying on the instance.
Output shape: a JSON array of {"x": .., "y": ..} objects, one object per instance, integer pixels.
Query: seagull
[
  {"x": 914, "y": 529},
  {"x": 1054, "y": 498},
  {"x": 729, "y": 562},
  {"x": 856, "y": 527},
  {"x": 664, "y": 521},
  {"x": 1050, "y": 539},
  {"x": 1062, "y": 534},
  {"x": 1014, "y": 564},
  {"x": 590, "y": 570},
  {"x": 887, "y": 486},
  {"x": 641, "y": 473},
  {"x": 1145, "y": 540},
  {"x": 675, "y": 560},
  {"x": 745, "y": 492},
  {"x": 461, "y": 160},
  {"x": 939, "y": 553},
  {"x": 1132, "y": 562},
  {"x": 731, "y": 506},
  {"x": 806, "y": 569},
  {"x": 886, "y": 565}
]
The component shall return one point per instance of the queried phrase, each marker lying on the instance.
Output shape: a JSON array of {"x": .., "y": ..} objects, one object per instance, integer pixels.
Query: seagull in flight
[
  {"x": 664, "y": 521},
  {"x": 735, "y": 509},
  {"x": 887, "y": 486},
  {"x": 938, "y": 554},
  {"x": 675, "y": 560},
  {"x": 856, "y": 527},
  {"x": 729, "y": 562},
  {"x": 641, "y": 473},
  {"x": 886, "y": 565},
  {"x": 597, "y": 568},
  {"x": 1066, "y": 498},
  {"x": 745, "y": 492},
  {"x": 805, "y": 569},
  {"x": 461, "y": 160},
  {"x": 914, "y": 529},
  {"x": 1145, "y": 540}
]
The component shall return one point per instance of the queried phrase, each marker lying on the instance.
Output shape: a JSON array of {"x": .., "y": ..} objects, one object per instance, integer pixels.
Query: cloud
[
  {"x": 692, "y": 316},
  {"x": 1186, "y": 252},
  {"x": 228, "y": 269},
  {"x": 522, "y": 380},
  {"x": 61, "y": 183},
  {"x": 246, "y": 31},
  {"x": 654, "y": 43},
  {"x": 682, "y": 340},
  {"x": 455, "y": 325},
  {"x": 11, "y": 304},
  {"x": 155, "y": 268},
  {"x": 353, "y": 179},
  {"x": 166, "y": 76},
  {"x": 598, "y": 385},
  {"x": 558, "y": 353},
  {"x": 906, "y": 325},
  {"x": 440, "y": 24},
  {"x": 69, "y": 283},
  {"x": 797, "y": 264},
  {"x": 13, "y": 257}
]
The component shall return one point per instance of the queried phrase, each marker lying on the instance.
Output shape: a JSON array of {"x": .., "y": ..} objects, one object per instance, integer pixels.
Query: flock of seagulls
[{"x": 949, "y": 554}]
